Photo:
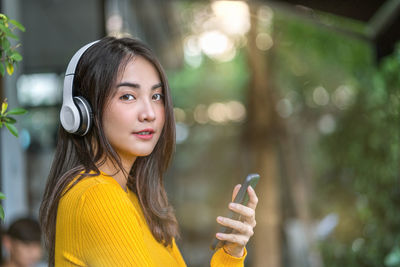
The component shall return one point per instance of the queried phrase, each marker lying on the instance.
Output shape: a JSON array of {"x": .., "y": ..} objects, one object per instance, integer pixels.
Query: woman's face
[{"x": 134, "y": 117}]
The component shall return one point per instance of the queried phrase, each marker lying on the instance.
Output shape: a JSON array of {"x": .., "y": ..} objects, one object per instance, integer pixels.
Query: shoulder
[
  {"x": 104, "y": 207},
  {"x": 101, "y": 192},
  {"x": 94, "y": 191},
  {"x": 98, "y": 198},
  {"x": 92, "y": 184}
]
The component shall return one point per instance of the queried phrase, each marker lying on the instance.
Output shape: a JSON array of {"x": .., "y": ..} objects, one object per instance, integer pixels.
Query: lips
[{"x": 144, "y": 134}]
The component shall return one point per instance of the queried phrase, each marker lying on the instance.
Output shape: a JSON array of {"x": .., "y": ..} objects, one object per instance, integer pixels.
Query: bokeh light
[
  {"x": 264, "y": 41},
  {"x": 200, "y": 114},
  {"x": 284, "y": 108},
  {"x": 180, "y": 115},
  {"x": 327, "y": 124},
  {"x": 321, "y": 96},
  {"x": 217, "y": 45},
  {"x": 343, "y": 97},
  {"x": 233, "y": 16}
]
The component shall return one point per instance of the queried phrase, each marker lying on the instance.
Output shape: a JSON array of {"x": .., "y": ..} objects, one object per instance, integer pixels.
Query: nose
[{"x": 147, "y": 112}]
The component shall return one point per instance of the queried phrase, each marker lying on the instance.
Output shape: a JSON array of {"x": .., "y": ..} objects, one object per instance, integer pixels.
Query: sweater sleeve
[
  {"x": 111, "y": 230},
  {"x": 221, "y": 258}
]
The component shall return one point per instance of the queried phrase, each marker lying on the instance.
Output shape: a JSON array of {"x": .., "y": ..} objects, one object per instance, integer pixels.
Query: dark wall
[{"x": 55, "y": 29}]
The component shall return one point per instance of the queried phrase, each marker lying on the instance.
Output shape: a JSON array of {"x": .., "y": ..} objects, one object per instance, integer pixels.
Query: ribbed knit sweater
[{"x": 99, "y": 224}]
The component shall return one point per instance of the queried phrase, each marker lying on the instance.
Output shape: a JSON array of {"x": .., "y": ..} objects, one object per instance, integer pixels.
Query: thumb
[{"x": 235, "y": 191}]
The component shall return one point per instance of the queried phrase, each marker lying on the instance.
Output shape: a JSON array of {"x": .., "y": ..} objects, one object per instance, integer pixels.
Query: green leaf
[
  {"x": 16, "y": 111},
  {"x": 9, "y": 52},
  {"x": 12, "y": 129},
  {"x": 3, "y": 17},
  {"x": 2, "y": 69},
  {"x": 16, "y": 56},
  {"x": 11, "y": 35},
  {"x": 8, "y": 32},
  {"x": 1, "y": 123},
  {"x": 1, "y": 212},
  {"x": 5, "y": 44},
  {"x": 3, "y": 28},
  {"x": 10, "y": 120},
  {"x": 2, "y": 196},
  {"x": 17, "y": 24}
]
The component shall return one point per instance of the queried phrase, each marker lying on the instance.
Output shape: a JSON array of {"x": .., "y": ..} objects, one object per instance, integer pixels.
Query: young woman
[{"x": 105, "y": 203}]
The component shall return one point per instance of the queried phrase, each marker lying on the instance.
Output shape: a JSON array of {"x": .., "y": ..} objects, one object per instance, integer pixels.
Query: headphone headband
[
  {"x": 75, "y": 59},
  {"x": 70, "y": 114}
]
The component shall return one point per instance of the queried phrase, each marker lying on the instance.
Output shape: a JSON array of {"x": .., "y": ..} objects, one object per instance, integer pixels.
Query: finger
[
  {"x": 242, "y": 210},
  {"x": 236, "y": 190},
  {"x": 253, "y": 199},
  {"x": 238, "y": 226},
  {"x": 233, "y": 238}
]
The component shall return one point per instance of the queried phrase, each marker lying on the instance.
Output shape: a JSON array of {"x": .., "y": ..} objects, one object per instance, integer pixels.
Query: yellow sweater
[{"x": 99, "y": 224}]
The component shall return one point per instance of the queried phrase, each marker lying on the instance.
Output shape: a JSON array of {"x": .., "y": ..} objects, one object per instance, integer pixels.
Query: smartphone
[{"x": 242, "y": 197}]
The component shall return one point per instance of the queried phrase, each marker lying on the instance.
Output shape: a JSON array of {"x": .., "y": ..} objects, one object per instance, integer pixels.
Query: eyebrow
[{"x": 136, "y": 85}]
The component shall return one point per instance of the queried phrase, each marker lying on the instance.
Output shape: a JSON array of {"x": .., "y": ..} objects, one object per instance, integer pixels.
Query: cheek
[
  {"x": 161, "y": 115},
  {"x": 112, "y": 119}
]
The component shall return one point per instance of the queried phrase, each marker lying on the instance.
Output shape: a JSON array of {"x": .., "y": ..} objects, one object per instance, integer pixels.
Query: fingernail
[
  {"x": 219, "y": 219},
  {"x": 232, "y": 205},
  {"x": 218, "y": 235}
]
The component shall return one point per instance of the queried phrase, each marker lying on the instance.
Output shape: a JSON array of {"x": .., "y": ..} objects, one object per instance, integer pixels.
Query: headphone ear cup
[{"x": 85, "y": 112}]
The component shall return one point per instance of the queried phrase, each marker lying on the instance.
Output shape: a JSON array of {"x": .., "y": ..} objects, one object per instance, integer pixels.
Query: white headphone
[{"x": 76, "y": 113}]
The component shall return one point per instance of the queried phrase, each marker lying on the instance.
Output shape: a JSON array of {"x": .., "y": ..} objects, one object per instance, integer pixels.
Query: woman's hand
[{"x": 243, "y": 228}]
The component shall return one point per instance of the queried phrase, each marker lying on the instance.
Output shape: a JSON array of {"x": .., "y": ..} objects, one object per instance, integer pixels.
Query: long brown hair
[{"x": 95, "y": 77}]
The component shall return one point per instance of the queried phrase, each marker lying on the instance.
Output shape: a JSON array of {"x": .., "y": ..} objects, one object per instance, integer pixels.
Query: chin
[
  {"x": 135, "y": 152},
  {"x": 142, "y": 153}
]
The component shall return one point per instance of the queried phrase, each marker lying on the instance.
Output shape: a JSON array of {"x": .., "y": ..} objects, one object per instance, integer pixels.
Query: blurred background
[{"x": 304, "y": 92}]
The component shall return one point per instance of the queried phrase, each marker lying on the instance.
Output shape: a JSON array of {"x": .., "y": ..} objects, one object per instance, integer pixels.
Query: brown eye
[
  {"x": 158, "y": 97},
  {"x": 127, "y": 97}
]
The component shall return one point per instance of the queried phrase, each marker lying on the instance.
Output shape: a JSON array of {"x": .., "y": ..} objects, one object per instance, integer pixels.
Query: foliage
[
  {"x": 8, "y": 54},
  {"x": 7, "y": 120},
  {"x": 355, "y": 167},
  {"x": 365, "y": 167},
  {"x": 9, "y": 57}
]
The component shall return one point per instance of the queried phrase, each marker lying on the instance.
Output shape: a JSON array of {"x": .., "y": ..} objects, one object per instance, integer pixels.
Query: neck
[{"x": 112, "y": 169}]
